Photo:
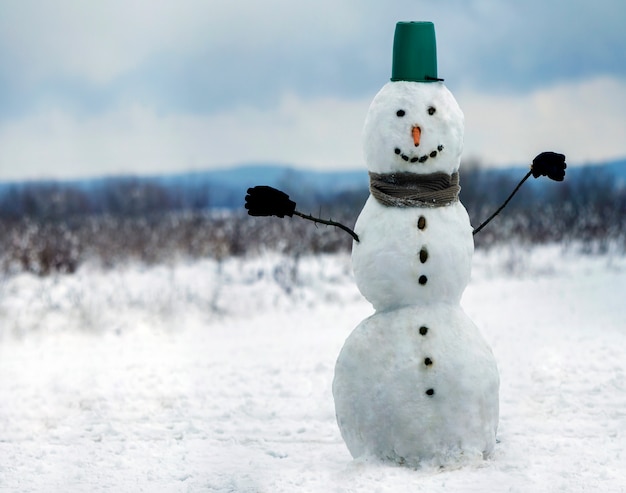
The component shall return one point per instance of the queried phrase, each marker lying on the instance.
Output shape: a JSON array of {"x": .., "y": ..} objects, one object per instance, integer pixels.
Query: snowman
[{"x": 415, "y": 383}]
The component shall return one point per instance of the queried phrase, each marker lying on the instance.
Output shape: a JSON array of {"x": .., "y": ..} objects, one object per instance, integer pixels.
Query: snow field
[{"x": 217, "y": 377}]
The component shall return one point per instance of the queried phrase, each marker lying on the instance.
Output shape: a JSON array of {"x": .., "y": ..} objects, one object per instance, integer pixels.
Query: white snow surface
[{"x": 207, "y": 376}]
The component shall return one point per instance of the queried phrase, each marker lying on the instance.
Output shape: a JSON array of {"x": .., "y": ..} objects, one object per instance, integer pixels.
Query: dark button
[
  {"x": 428, "y": 361},
  {"x": 423, "y": 280},
  {"x": 423, "y": 330},
  {"x": 423, "y": 255},
  {"x": 421, "y": 222},
  {"x": 430, "y": 392}
]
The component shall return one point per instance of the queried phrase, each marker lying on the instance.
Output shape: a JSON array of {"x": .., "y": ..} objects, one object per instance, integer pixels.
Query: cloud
[
  {"x": 154, "y": 85},
  {"x": 323, "y": 133},
  {"x": 521, "y": 46},
  {"x": 100, "y": 41},
  {"x": 583, "y": 120},
  {"x": 173, "y": 55},
  {"x": 204, "y": 56}
]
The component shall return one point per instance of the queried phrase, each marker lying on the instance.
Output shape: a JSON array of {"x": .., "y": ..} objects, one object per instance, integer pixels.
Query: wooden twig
[
  {"x": 328, "y": 223},
  {"x": 503, "y": 205}
]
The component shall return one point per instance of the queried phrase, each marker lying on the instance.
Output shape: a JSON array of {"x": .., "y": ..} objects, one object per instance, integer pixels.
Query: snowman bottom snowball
[{"x": 417, "y": 385}]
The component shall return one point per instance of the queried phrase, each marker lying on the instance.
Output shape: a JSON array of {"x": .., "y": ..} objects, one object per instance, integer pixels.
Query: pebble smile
[{"x": 416, "y": 159}]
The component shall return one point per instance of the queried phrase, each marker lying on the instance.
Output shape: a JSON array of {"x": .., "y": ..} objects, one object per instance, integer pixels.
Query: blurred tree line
[
  {"x": 55, "y": 227},
  {"x": 589, "y": 206},
  {"x": 133, "y": 196}
]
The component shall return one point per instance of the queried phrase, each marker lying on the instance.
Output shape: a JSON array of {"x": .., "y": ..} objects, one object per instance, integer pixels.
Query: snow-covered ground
[{"x": 217, "y": 377}]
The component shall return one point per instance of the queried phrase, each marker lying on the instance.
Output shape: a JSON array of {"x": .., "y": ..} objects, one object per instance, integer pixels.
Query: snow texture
[
  {"x": 217, "y": 377},
  {"x": 417, "y": 384},
  {"x": 431, "y": 107},
  {"x": 387, "y": 262},
  {"x": 402, "y": 395}
]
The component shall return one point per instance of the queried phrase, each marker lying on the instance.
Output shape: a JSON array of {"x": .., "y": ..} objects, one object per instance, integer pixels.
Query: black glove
[
  {"x": 267, "y": 201},
  {"x": 550, "y": 164}
]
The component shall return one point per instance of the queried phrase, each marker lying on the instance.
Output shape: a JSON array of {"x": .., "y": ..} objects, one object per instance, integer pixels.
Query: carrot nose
[{"x": 417, "y": 133}]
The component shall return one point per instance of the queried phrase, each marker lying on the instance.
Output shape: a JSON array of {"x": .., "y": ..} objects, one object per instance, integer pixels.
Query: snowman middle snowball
[{"x": 416, "y": 381}]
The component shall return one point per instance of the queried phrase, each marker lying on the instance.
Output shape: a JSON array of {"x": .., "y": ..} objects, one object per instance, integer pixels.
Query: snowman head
[
  {"x": 414, "y": 123},
  {"x": 413, "y": 127}
]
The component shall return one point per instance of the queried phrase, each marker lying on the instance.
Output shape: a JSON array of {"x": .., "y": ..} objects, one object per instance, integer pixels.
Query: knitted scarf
[{"x": 413, "y": 190}]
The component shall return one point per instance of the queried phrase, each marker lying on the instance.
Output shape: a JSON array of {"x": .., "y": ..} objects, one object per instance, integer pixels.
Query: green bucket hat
[{"x": 414, "y": 52}]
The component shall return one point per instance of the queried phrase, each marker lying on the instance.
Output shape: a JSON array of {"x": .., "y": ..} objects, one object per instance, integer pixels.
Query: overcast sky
[{"x": 99, "y": 87}]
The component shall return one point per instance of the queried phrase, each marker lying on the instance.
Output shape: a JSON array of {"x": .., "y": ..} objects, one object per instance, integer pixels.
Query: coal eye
[
  {"x": 431, "y": 110},
  {"x": 400, "y": 113}
]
